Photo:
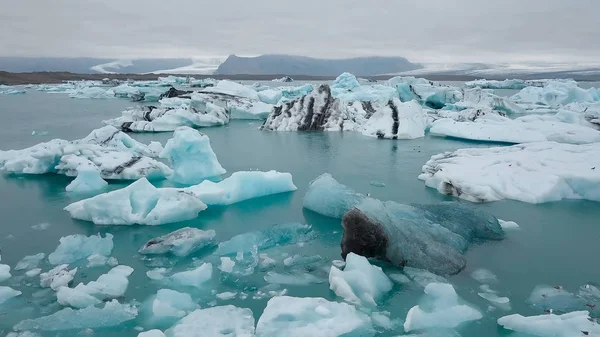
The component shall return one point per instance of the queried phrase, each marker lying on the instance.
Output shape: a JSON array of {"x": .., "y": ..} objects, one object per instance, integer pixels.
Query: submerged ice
[
  {"x": 77, "y": 247},
  {"x": 181, "y": 242}
]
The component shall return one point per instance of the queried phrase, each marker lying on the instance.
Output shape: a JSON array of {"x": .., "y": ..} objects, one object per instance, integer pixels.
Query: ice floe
[
  {"x": 577, "y": 323},
  {"x": 534, "y": 172},
  {"x": 108, "y": 286},
  {"x": 77, "y": 247},
  {"x": 171, "y": 304},
  {"x": 218, "y": 321},
  {"x": 181, "y": 242},
  {"x": 30, "y": 261},
  {"x": 6, "y": 293},
  {"x": 4, "y": 272}
]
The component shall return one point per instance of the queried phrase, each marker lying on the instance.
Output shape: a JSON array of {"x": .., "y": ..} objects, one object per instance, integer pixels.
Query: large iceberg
[
  {"x": 223, "y": 321},
  {"x": 427, "y": 93},
  {"x": 397, "y": 120},
  {"x": 316, "y": 317},
  {"x": 577, "y": 323},
  {"x": 191, "y": 157},
  {"x": 236, "y": 107},
  {"x": 482, "y": 99},
  {"x": 534, "y": 172},
  {"x": 113, "y": 153},
  {"x": 195, "y": 278},
  {"x": 142, "y": 203},
  {"x": 556, "y": 93},
  {"x": 8, "y": 90},
  {"x": 430, "y": 237},
  {"x": 181, "y": 242},
  {"x": 440, "y": 309},
  {"x": 77, "y": 247},
  {"x": 113, "y": 313}
]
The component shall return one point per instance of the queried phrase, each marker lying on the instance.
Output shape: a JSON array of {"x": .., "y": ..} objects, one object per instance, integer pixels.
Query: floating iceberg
[
  {"x": 233, "y": 89},
  {"x": 397, "y": 120},
  {"x": 96, "y": 260},
  {"x": 482, "y": 99},
  {"x": 556, "y": 93},
  {"x": 59, "y": 276},
  {"x": 92, "y": 92},
  {"x": 77, "y": 247},
  {"x": 30, "y": 262},
  {"x": 88, "y": 180},
  {"x": 360, "y": 282},
  {"x": 191, "y": 157},
  {"x": 181, "y": 242},
  {"x": 577, "y": 323},
  {"x": 4, "y": 272},
  {"x": 284, "y": 79},
  {"x": 441, "y": 309},
  {"x": 193, "y": 278},
  {"x": 172, "y": 304},
  {"x": 427, "y": 93},
  {"x": 8, "y": 90},
  {"x": 6, "y": 293},
  {"x": 555, "y": 298},
  {"x": 108, "y": 286},
  {"x": 142, "y": 203},
  {"x": 112, "y": 314},
  {"x": 484, "y": 276},
  {"x": 113, "y": 153},
  {"x": 430, "y": 237},
  {"x": 277, "y": 235},
  {"x": 236, "y": 107},
  {"x": 223, "y": 321},
  {"x": 493, "y": 84},
  {"x": 295, "y": 279},
  {"x": 152, "y": 333},
  {"x": 534, "y": 172},
  {"x": 298, "y": 317}
]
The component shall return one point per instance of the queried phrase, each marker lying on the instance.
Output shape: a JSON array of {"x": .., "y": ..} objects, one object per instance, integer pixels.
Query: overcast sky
[{"x": 498, "y": 31}]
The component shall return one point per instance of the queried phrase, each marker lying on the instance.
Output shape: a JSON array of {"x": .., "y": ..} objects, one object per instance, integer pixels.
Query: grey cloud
[{"x": 430, "y": 31}]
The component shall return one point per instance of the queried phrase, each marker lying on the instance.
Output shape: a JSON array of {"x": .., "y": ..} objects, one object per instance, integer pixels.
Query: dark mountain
[{"x": 300, "y": 65}]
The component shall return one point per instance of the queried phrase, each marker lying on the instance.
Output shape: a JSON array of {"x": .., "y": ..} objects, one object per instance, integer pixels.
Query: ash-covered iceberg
[
  {"x": 181, "y": 242},
  {"x": 431, "y": 237},
  {"x": 533, "y": 172},
  {"x": 191, "y": 157},
  {"x": 142, "y": 203}
]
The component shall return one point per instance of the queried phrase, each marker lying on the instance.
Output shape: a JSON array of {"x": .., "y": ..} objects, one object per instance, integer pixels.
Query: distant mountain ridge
[{"x": 301, "y": 65}]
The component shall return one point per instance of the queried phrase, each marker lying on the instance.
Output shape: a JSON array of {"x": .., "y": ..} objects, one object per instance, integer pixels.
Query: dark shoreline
[{"x": 8, "y": 78}]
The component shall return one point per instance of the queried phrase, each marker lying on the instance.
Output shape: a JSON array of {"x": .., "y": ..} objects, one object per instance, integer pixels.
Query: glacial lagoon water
[{"x": 557, "y": 243}]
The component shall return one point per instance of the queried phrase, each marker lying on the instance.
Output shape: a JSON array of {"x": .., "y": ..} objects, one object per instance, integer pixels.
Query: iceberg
[
  {"x": 277, "y": 235},
  {"x": 191, "y": 157},
  {"x": 221, "y": 321},
  {"x": 481, "y": 99},
  {"x": 270, "y": 96},
  {"x": 96, "y": 260},
  {"x": 441, "y": 309},
  {"x": 6, "y": 293},
  {"x": 77, "y": 247},
  {"x": 227, "y": 264},
  {"x": 193, "y": 278},
  {"x": 113, "y": 153},
  {"x": 172, "y": 304},
  {"x": 397, "y": 120},
  {"x": 112, "y": 314},
  {"x": 236, "y": 107},
  {"x": 181, "y": 242},
  {"x": 484, "y": 276},
  {"x": 142, "y": 203},
  {"x": 284, "y": 79},
  {"x": 298, "y": 317},
  {"x": 359, "y": 282},
  {"x": 88, "y": 180},
  {"x": 429, "y": 94},
  {"x": 152, "y": 333},
  {"x": 295, "y": 279},
  {"x": 555, "y": 93},
  {"x": 8, "y": 90},
  {"x": 92, "y": 92},
  {"x": 4, "y": 272},
  {"x": 577, "y": 323},
  {"x": 57, "y": 277},
  {"x": 533, "y": 172},
  {"x": 233, "y": 89},
  {"x": 493, "y": 84},
  {"x": 30, "y": 262}
]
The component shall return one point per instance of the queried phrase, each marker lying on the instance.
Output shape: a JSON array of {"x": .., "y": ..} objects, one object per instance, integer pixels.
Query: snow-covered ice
[
  {"x": 191, "y": 157},
  {"x": 440, "y": 309},
  {"x": 88, "y": 180},
  {"x": 181, "y": 242},
  {"x": 221, "y": 321},
  {"x": 59, "y": 276},
  {"x": 6, "y": 293},
  {"x": 78, "y": 246},
  {"x": 316, "y": 317},
  {"x": 359, "y": 282},
  {"x": 397, "y": 120},
  {"x": 534, "y": 172},
  {"x": 112, "y": 314},
  {"x": 30, "y": 261},
  {"x": 577, "y": 323}
]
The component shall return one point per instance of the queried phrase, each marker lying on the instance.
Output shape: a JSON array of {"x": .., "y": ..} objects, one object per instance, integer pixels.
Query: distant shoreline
[{"x": 8, "y": 78}]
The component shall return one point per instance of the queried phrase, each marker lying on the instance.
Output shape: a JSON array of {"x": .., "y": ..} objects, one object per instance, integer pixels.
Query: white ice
[
  {"x": 57, "y": 277},
  {"x": 484, "y": 276},
  {"x": 577, "y": 323},
  {"x": 508, "y": 225},
  {"x": 112, "y": 314},
  {"x": 152, "y": 333},
  {"x": 227, "y": 264},
  {"x": 221, "y": 321},
  {"x": 225, "y": 296},
  {"x": 316, "y": 317},
  {"x": 7, "y": 293},
  {"x": 33, "y": 272},
  {"x": 233, "y": 88},
  {"x": 171, "y": 303},
  {"x": 441, "y": 309},
  {"x": 236, "y": 107},
  {"x": 88, "y": 180},
  {"x": 534, "y": 172},
  {"x": 427, "y": 93},
  {"x": 493, "y": 84},
  {"x": 397, "y": 120},
  {"x": 191, "y": 157},
  {"x": 556, "y": 93},
  {"x": 30, "y": 262},
  {"x": 4, "y": 272},
  {"x": 77, "y": 247},
  {"x": 181, "y": 242},
  {"x": 359, "y": 282},
  {"x": 96, "y": 260},
  {"x": 193, "y": 278},
  {"x": 478, "y": 98}
]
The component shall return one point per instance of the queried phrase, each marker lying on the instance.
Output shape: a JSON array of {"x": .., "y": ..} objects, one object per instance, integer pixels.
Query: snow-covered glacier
[
  {"x": 533, "y": 172},
  {"x": 142, "y": 203},
  {"x": 431, "y": 237}
]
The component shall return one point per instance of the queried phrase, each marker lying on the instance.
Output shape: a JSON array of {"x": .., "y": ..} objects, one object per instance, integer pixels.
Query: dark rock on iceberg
[{"x": 172, "y": 92}]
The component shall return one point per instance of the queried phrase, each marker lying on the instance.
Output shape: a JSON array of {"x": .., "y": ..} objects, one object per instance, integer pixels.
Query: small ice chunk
[
  {"x": 23, "y": 334},
  {"x": 222, "y": 321},
  {"x": 30, "y": 262},
  {"x": 298, "y": 317},
  {"x": 108, "y": 286},
  {"x": 577, "y": 323},
  {"x": 227, "y": 264},
  {"x": 157, "y": 274},
  {"x": 423, "y": 277},
  {"x": 484, "y": 276},
  {"x": 181, "y": 242},
  {"x": 226, "y": 295},
  {"x": 88, "y": 180},
  {"x": 75, "y": 298},
  {"x": 382, "y": 320},
  {"x": 360, "y": 282},
  {"x": 508, "y": 225},
  {"x": 33, "y": 272},
  {"x": 76, "y": 247},
  {"x": 171, "y": 303},
  {"x": 40, "y": 227},
  {"x": 152, "y": 333},
  {"x": 57, "y": 277},
  {"x": 440, "y": 310},
  {"x": 191, "y": 157},
  {"x": 113, "y": 313},
  {"x": 195, "y": 277},
  {"x": 4, "y": 272},
  {"x": 7, "y": 293},
  {"x": 97, "y": 260},
  {"x": 278, "y": 235},
  {"x": 298, "y": 279},
  {"x": 338, "y": 263},
  {"x": 377, "y": 183},
  {"x": 492, "y": 297}
]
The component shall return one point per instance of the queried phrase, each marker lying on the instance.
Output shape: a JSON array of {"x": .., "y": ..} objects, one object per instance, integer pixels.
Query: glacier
[
  {"x": 77, "y": 247},
  {"x": 181, "y": 242},
  {"x": 191, "y": 157},
  {"x": 576, "y": 323},
  {"x": 218, "y": 321},
  {"x": 287, "y": 316},
  {"x": 532, "y": 172},
  {"x": 142, "y": 203},
  {"x": 431, "y": 237}
]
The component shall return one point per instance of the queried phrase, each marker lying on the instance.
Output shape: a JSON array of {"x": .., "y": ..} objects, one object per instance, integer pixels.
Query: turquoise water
[{"x": 557, "y": 242}]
